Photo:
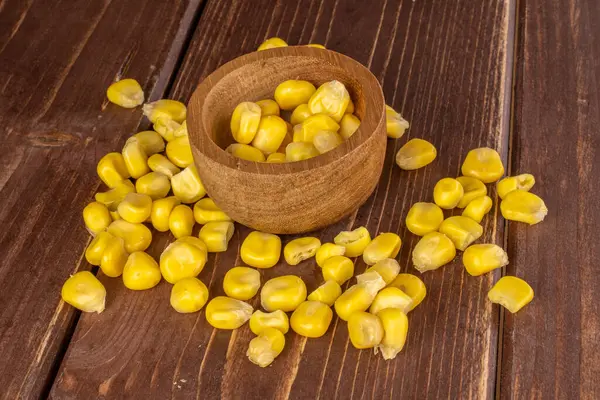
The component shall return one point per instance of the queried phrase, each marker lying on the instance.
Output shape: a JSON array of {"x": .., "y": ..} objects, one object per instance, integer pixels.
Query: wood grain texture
[
  {"x": 56, "y": 61},
  {"x": 551, "y": 346},
  {"x": 446, "y": 66}
]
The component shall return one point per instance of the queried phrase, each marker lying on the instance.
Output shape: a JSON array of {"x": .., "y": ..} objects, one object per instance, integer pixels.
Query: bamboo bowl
[{"x": 290, "y": 197}]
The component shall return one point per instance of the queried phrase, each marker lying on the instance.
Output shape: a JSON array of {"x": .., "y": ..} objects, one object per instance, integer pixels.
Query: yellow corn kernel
[
  {"x": 154, "y": 184},
  {"x": 338, "y": 268},
  {"x": 112, "y": 169},
  {"x": 511, "y": 292},
  {"x": 85, "y": 292},
  {"x": 184, "y": 258},
  {"x": 245, "y": 152},
  {"x": 114, "y": 257},
  {"x": 179, "y": 152},
  {"x": 272, "y": 43},
  {"x": 327, "y": 293},
  {"x": 135, "y": 158},
  {"x": 300, "y": 114},
  {"x": 477, "y": 208},
  {"x": 244, "y": 121},
  {"x": 313, "y": 124},
  {"x": 261, "y": 250},
  {"x": 365, "y": 330},
  {"x": 126, "y": 93},
  {"x": 161, "y": 209},
  {"x": 161, "y": 164},
  {"x": 181, "y": 221},
  {"x": 311, "y": 319},
  {"x": 447, "y": 193},
  {"x": 511, "y": 183},
  {"x": 187, "y": 186},
  {"x": 290, "y": 94},
  {"x": 151, "y": 142},
  {"x": 137, "y": 237},
  {"x": 523, "y": 206},
  {"x": 395, "y": 330},
  {"x": 391, "y": 297},
  {"x": 241, "y": 283},
  {"x": 188, "y": 295},
  {"x": 415, "y": 154},
  {"x": 479, "y": 259},
  {"x": 166, "y": 128},
  {"x": 432, "y": 251},
  {"x": 93, "y": 253},
  {"x": 205, "y": 211},
  {"x": 96, "y": 217},
  {"x": 217, "y": 235},
  {"x": 325, "y": 141},
  {"x": 276, "y": 158},
  {"x": 354, "y": 241},
  {"x": 423, "y": 218},
  {"x": 472, "y": 189},
  {"x": 331, "y": 98},
  {"x": 111, "y": 198},
  {"x": 271, "y": 132},
  {"x": 141, "y": 272},
  {"x": 300, "y": 151},
  {"x": 264, "y": 348},
  {"x": 394, "y": 123},
  {"x": 316, "y": 46},
  {"x": 462, "y": 231},
  {"x": 372, "y": 279},
  {"x": 283, "y": 293},
  {"x": 135, "y": 208},
  {"x": 412, "y": 286},
  {"x": 277, "y": 319},
  {"x": 165, "y": 108},
  {"x": 388, "y": 269},
  {"x": 328, "y": 250},
  {"x": 268, "y": 107},
  {"x": 384, "y": 245},
  {"x": 226, "y": 313},
  {"x": 484, "y": 164},
  {"x": 301, "y": 249},
  {"x": 348, "y": 125},
  {"x": 358, "y": 297}
]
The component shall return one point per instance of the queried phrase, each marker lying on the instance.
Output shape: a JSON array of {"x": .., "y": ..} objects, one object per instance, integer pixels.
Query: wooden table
[{"x": 521, "y": 76}]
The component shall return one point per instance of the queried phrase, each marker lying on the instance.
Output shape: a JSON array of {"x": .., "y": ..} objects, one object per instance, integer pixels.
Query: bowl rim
[{"x": 207, "y": 147}]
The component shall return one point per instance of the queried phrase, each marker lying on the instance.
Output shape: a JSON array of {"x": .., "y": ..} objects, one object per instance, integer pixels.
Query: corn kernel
[
  {"x": 391, "y": 297},
  {"x": 217, "y": 235},
  {"x": 187, "y": 186},
  {"x": 423, "y": 218},
  {"x": 135, "y": 158},
  {"x": 165, "y": 108},
  {"x": 141, "y": 272},
  {"x": 412, "y": 286},
  {"x": 151, "y": 142},
  {"x": 433, "y": 251},
  {"x": 479, "y": 259},
  {"x": 283, "y": 293},
  {"x": 85, "y": 292},
  {"x": 93, "y": 253},
  {"x": 348, "y": 125},
  {"x": 523, "y": 206},
  {"x": 372, "y": 279},
  {"x": 331, "y": 98},
  {"x": 415, "y": 154},
  {"x": 365, "y": 330},
  {"x": 179, "y": 152},
  {"x": 300, "y": 114},
  {"x": 511, "y": 292},
  {"x": 462, "y": 231},
  {"x": 181, "y": 221},
  {"x": 358, "y": 297},
  {"x": 338, "y": 268},
  {"x": 511, "y": 183},
  {"x": 188, "y": 295},
  {"x": 276, "y": 158},
  {"x": 161, "y": 164},
  {"x": 301, "y": 249},
  {"x": 268, "y": 107},
  {"x": 311, "y": 319},
  {"x": 114, "y": 257},
  {"x": 205, "y": 210},
  {"x": 447, "y": 193},
  {"x": 245, "y": 152},
  {"x": 112, "y": 169},
  {"x": 327, "y": 293},
  {"x": 325, "y": 141},
  {"x": 354, "y": 241},
  {"x": 385, "y": 245},
  {"x": 316, "y": 46},
  {"x": 388, "y": 269},
  {"x": 395, "y": 330},
  {"x": 472, "y": 189},
  {"x": 261, "y": 250},
  {"x": 299, "y": 151},
  {"x": 264, "y": 348},
  {"x": 153, "y": 184},
  {"x": 135, "y": 208},
  {"x": 272, "y": 43},
  {"x": 315, "y": 123},
  {"x": 111, "y": 198},
  {"x": 477, "y": 208},
  {"x": 126, "y": 93},
  {"x": 161, "y": 209},
  {"x": 271, "y": 132},
  {"x": 290, "y": 94},
  {"x": 226, "y": 313},
  {"x": 484, "y": 164},
  {"x": 137, "y": 237},
  {"x": 244, "y": 121},
  {"x": 328, "y": 250},
  {"x": 395, "y": 124},
  {"x": 96, "y": 217},
  {"x": 166, "y": 128},
  {"x": 277, "y": 319},
  {"x": 184, "y": 258},
  {"x": 241, "y": 283}
]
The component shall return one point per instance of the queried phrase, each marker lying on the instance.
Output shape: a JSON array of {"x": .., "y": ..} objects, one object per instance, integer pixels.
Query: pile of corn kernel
[{"x": 375, "y": 306}]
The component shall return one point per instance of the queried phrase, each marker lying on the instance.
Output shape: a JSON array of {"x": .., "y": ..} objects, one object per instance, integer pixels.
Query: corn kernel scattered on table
[
  {"x": 264, "y": 348},
  {"x": 415, "y": 154},
  {"x": 226, "y": 313},
  {"x": 523, "y": 206},
  {"x": 511, "y": 292},
  {"x": 126, "y": 93},
  {"x": 311, "y": 319},
  {"x": 85, "y": 292},
  {"x": 241, "y": 283},
  {"x": 261, "y": 320},
  {"x": 188, "y": 295}
]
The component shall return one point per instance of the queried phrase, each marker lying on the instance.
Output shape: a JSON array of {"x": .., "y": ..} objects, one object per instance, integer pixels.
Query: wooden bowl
[{"x": 290, "y": 197}]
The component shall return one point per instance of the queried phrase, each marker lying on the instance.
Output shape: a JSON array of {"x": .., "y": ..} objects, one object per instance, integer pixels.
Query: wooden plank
[
  {"x": 56, "y": 61},
  {"x": 551, "y": 346},
  {"x": 444, "y": 65}
]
